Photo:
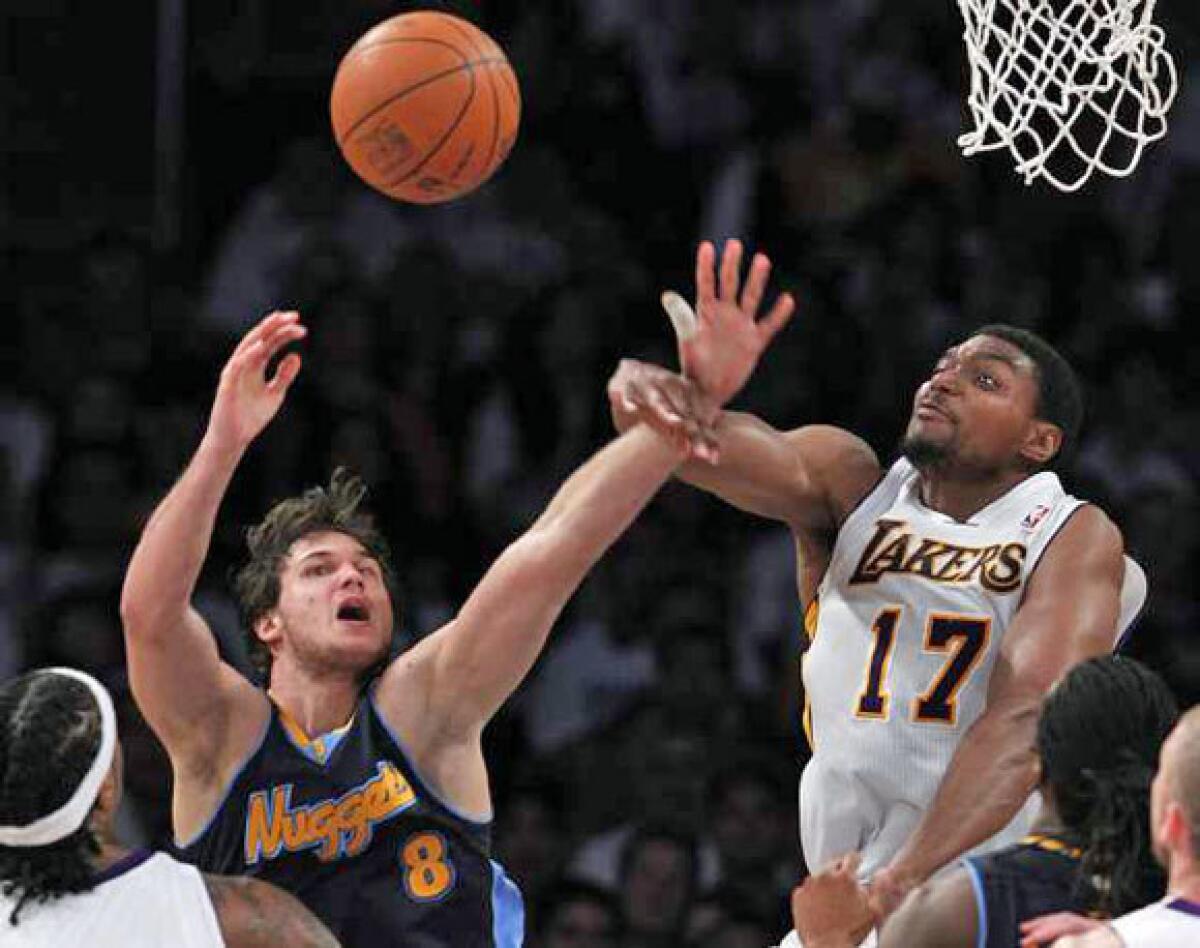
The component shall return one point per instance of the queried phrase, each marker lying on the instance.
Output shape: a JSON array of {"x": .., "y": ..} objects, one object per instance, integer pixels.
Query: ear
[
  {"x": 269, "y": 628},
  {"x": 1042, "y": 443},
  {"x": 1175, "y": 828}
]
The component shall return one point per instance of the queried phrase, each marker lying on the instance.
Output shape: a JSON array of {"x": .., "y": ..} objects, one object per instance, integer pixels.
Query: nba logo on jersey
[{"x": 1035, "y": 517}]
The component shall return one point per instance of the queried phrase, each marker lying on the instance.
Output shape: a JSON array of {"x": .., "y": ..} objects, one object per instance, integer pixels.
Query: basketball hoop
[{"x": 1068, "y": 87}]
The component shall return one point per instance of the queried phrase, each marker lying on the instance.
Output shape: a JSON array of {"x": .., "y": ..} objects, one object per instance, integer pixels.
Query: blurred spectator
[
  {"x": 577, "y": 915},
  {"x": 656, "y": 888},
  {"x": 531, "y": 842}
]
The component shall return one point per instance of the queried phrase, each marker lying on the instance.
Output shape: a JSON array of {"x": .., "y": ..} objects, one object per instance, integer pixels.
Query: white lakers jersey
[
  {"x": 905, "y": 630},
  {"x": 145, "y": 901},
  {"x": 1171, "y": 923}
]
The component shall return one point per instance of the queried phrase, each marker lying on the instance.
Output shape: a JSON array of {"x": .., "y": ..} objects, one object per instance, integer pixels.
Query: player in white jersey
[
  {"x": 943, "y": 597},
  {"x": 1174, "y": 921},
  {"x": 64, "y": 880}
]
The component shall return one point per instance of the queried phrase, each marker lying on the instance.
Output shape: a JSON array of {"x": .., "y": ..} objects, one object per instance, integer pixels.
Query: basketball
[{"x": 425, "y": 107}]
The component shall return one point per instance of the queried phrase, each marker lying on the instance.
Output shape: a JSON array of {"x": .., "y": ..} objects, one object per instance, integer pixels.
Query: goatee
[{"x": 921, "y": 452}]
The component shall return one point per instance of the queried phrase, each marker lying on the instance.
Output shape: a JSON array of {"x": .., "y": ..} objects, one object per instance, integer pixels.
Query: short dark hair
[
  {"x": 49, "y": 736},
  {"x": 335, "y": 508},
  {"x": 1060, "y": 395},
  {"x": 1098, "y": 737}
]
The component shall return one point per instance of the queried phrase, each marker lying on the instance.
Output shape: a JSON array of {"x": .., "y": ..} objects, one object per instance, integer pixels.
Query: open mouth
[{"x": 353, "y": 612}]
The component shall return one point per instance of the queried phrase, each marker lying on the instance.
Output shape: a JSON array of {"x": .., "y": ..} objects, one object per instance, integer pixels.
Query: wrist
[{"x": 222, "y": 450}]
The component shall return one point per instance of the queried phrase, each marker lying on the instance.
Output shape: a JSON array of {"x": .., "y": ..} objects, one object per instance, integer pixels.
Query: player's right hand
[
  {"x": 669, "y": 403},
  {"x": 246, "y": 399}
]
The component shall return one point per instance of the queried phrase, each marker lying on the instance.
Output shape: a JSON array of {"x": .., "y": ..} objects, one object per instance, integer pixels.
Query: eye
[
  {"x": 318, "y": 569},
  {"x": 986, "y": 380}
]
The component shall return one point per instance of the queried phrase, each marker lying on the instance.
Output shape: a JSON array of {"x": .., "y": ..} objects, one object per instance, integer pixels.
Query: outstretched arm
[
  {"x": 255, "y": 914},
  {"x": 809, "y": 478},
  {"x": 443, "y": 691},
  {"x": 480, "y": 657},
  {"x": 1069, "y": 614},
  {"x": 175, "y": 671}
]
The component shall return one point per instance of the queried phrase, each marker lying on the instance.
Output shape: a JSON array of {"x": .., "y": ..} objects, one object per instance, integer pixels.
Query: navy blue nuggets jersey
[
  {"x": 1038, "y": 876},
  {"x": 361, "y": 841}
]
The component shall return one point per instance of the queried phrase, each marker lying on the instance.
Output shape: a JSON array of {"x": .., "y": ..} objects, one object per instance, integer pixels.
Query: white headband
[{"x": 70, "y": 816}]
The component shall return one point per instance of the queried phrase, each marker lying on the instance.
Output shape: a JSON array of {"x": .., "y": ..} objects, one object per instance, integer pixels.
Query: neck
[
  {"x": 1048, "y": 822},
  {"x": 1183, "y": 880},
  {"x": 962, "y": 496},
  {"x": 110, "y": 852},
  {"x": 317, "y": 704}
]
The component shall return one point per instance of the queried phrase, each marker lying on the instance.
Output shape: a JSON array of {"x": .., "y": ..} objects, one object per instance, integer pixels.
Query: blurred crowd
[{"x": 645, "y": 775}]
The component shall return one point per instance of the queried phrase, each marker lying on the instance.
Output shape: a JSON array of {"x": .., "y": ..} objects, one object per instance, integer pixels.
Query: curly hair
[
  {"x": 336, "y": 508},
  {"x": 1098, "y": 738},
  {"x": 49, "y": 736}
]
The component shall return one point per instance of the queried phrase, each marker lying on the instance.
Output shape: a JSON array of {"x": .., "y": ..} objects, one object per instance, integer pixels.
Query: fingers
[
  {"x": 731, "y": 268},
  {"x": 273, "y": 340},
  {"x": 706, "y": 259},
  {"x": 285, "y": 373},
  {"x": 756, "y": 284},
  {"x": 267, "y": 324},
  {"x": 777, "y": 318}
]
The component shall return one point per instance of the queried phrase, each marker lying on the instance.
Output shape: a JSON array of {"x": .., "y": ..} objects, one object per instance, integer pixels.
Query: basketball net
[{"x": 1069, "y": 87}]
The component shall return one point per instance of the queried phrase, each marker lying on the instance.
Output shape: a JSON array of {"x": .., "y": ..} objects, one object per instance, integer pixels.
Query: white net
[{"x": 1068, "y": 87}]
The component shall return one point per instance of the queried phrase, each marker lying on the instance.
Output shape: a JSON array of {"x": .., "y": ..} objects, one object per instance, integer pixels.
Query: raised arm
[
  {"x": 1069, "y": 614},
  {"x": 255, "y": 914},
  {"x": 809, "y": 478},
  {"x": 178, "y": 680},
  {"x": 443, "y": 691}
]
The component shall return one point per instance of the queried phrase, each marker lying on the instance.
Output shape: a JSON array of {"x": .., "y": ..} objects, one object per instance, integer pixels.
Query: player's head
[
  {"x": 1001, "y": 398},
  {"x": 1098, "y": 739},
  {"x": 60, "y": 783},
  {"x": 318, "y": 589},
  {"x": 1175, "y": 797}
]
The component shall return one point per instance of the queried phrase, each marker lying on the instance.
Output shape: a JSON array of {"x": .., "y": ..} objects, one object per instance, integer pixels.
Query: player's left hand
[
  {"x": 831, "y": 909},
  {"x": 721, "y": 340}
]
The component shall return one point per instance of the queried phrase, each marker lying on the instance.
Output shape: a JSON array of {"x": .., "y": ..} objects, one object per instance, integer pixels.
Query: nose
[
  {"x": 944, "y": 379},
  {"x": 351, "y": 575}
]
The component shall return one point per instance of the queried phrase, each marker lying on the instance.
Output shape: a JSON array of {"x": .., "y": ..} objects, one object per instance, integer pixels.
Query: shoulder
[
  {"x": 841, "y": 462},
  {"x": 1088, "y": 544},
  {"x": 255, "y": 914},
  {"x": 939, "y": 913}
]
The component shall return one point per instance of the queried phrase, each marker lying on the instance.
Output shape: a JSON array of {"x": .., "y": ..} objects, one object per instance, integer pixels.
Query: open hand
[
  {"x": 720, "y": 343},
  {"x": 246, "y": 399}
]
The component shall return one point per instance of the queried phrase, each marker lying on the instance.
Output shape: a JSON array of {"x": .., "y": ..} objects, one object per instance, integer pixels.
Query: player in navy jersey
[
  {"x": 1099, "y": 735},
  {"x": 357, "y": 783}
]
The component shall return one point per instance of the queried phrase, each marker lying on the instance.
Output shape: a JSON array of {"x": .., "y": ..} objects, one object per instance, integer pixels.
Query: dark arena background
[{"x": 170, "y": 176}]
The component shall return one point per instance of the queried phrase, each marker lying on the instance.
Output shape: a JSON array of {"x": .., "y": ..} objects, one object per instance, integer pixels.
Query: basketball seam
[
  {"x": 495, "y": 121},
  {"x": 456, "y": 25},
  {"x": 355, "y": 51},
  {"x": 469, "y": 38},
  {"x": 395, "y": 97},
  {"x": 442, "y": 141}
]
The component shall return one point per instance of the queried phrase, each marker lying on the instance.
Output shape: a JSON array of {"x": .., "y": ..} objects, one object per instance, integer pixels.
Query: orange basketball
[{"x": 425, "y": 107}]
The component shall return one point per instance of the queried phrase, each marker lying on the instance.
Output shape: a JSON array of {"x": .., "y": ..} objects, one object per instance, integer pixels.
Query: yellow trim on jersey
[
  {"x": 319, "y": 745},
  {"x": 1052, "y": 845},
  {"x": 812, "y": 619}
]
